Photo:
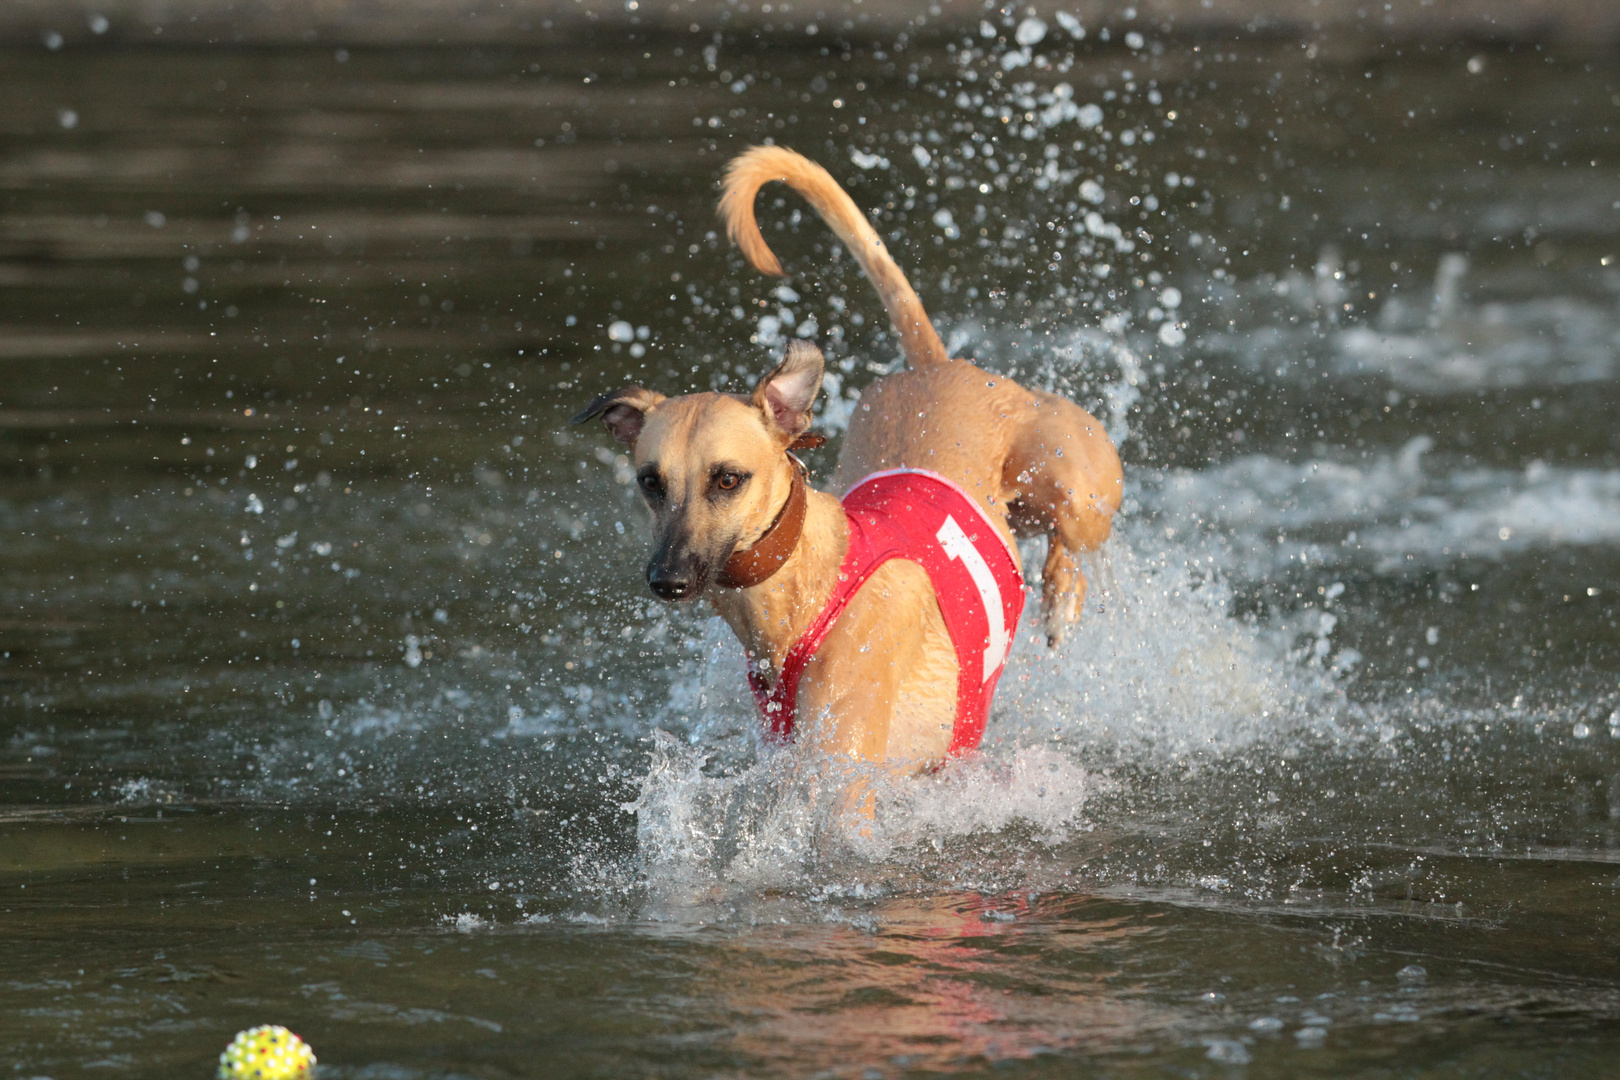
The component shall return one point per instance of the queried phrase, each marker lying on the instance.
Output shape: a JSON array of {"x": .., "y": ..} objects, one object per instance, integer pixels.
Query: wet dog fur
[{"x": 714, "y": 472}]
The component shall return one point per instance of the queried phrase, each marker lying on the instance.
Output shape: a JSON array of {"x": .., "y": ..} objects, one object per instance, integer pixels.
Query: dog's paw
[
  {"x": 1058, "y": 617},
  {"x": 1063, "y": 593}
]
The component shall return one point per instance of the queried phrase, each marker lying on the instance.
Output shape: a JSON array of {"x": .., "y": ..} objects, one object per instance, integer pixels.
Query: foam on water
[
  {"x": 1440, "y": 344},
  {"x": 770, "y": 825},
  {"x": 1159, "y": 668},
  {"x": 1390, "y": 510},
  {"x": 1550, "y": 341}
]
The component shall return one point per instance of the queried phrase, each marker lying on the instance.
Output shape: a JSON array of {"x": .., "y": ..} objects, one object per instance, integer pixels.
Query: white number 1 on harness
[{"x": 956, "y": 545}]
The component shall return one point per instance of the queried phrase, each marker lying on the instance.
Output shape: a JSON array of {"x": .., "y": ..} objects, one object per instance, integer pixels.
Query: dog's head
[{"x": 712, "y": 468}]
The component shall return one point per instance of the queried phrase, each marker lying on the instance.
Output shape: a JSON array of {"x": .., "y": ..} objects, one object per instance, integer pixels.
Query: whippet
[{"x": 875, "y": 627}]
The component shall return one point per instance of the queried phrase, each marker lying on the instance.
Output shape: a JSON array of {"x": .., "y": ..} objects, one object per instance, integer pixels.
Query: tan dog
[{"x": 732, "y": 521}]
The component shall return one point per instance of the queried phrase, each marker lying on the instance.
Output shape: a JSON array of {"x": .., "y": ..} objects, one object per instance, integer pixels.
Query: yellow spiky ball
[{"x": 268, "y": 1052}]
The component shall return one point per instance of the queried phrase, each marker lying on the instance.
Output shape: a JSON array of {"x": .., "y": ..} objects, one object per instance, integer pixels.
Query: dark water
[{"x": 328, "y": 684}]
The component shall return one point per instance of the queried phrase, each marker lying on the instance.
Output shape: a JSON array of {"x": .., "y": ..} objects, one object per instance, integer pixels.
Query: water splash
[{"x": 1158, "y": 671}]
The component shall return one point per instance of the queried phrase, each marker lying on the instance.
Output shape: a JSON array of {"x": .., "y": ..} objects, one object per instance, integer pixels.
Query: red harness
[{"x": 921, "y": 516}]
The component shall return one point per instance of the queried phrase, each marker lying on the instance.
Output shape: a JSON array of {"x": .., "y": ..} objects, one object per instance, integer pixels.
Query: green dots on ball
[{"x": 268, "y": 1052}]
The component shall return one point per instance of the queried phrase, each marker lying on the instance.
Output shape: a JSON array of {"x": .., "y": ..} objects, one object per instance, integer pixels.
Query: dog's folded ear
[
  {"x": 623, "y": 411},
  {"x": 786, "y": 394}
]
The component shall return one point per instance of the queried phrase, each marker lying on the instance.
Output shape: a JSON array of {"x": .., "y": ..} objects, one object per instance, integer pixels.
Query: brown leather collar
[{"x": 752, "y": 565}]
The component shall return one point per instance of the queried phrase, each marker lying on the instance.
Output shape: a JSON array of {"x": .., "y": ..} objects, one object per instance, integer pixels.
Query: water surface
[{"x": 331, "y": 694}]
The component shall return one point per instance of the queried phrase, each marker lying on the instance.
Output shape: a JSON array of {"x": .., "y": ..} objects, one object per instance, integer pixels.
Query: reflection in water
[{"x": 932, "y": 989}]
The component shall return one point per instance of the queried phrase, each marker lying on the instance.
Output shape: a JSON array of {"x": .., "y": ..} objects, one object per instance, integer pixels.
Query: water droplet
[
  {"x": 1030, "y": 32},
  {"x": 1227, "y": 1052}
]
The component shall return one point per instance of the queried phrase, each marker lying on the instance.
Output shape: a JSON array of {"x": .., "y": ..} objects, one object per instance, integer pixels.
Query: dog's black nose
[
  {"x": 676, "y": 572},
  {"x": 671, "y": 585}
]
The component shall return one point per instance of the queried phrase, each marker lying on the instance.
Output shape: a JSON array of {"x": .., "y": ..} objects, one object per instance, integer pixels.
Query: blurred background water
[{"x": 331, "y": 694}]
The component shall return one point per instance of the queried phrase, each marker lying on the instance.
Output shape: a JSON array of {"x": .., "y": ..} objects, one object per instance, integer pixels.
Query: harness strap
[{"x": 779, "y": 703}]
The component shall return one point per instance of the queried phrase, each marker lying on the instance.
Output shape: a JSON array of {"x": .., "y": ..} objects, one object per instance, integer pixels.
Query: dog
[{"x": 874, "y": 628}]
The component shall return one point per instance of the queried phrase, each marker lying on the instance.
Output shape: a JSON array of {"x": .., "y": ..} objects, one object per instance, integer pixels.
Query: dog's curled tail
[{"x": 758, "y": 166}]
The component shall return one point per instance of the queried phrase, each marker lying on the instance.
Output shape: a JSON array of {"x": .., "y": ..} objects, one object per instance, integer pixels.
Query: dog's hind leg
[
  {"x": 1063, "y": 589},
  {"x": 1062, "y": 477}
]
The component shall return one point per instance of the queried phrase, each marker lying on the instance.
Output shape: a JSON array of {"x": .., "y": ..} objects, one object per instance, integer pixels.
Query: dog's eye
[
  {"x": 651, "y": 485},
  {"x": 728, "y": 481}
]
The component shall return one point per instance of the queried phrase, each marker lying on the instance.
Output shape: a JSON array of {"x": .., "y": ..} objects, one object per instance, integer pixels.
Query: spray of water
[{"x": 1159, "y": 667}]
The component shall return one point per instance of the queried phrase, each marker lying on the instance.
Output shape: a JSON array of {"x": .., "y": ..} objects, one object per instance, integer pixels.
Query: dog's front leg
[
  {"x": 848, "y": 694},
  {"x": 847, "y": 707},
  {"x": 845, "y": 740}
]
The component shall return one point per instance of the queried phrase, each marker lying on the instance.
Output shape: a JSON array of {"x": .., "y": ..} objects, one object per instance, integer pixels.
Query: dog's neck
[{"x": 770, "y": 616}]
